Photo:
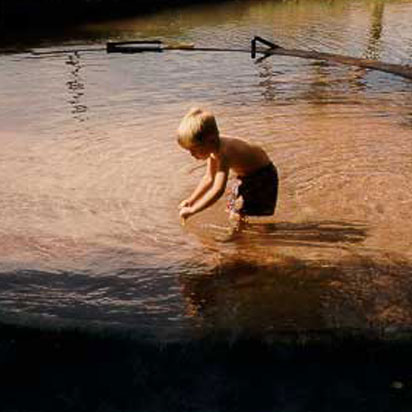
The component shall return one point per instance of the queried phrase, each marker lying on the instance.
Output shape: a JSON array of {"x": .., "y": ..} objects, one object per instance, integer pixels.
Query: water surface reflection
[{"x": 91, "y": 176}]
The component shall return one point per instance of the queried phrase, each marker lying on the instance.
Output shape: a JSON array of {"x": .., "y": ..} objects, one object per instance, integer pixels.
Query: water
[{"x": 91, "y": 176}]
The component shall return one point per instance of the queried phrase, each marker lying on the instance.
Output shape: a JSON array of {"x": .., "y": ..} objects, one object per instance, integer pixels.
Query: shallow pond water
[{"x": 91, "y": 175}]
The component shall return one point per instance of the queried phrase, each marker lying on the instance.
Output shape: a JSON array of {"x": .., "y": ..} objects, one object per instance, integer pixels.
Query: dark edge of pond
[
  {"x": 15, "y": 14},
  {"x": 50, "y": 370}
]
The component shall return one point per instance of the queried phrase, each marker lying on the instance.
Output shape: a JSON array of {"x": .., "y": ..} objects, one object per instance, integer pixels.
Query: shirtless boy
[{"x": 256, "y": 188}]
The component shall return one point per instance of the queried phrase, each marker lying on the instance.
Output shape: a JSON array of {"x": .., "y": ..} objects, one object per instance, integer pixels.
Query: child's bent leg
[
  {"x": 236, "y": 218},
  {"x": 237, "y": 221}
]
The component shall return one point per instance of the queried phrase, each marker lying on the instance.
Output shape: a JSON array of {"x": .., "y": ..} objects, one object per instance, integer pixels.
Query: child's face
[{"x": 199, "y": 152}]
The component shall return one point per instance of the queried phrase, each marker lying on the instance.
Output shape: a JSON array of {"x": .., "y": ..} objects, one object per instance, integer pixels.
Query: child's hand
[
  {"x": 184, "y": 203},
  {"x": 185, "y": 212}
]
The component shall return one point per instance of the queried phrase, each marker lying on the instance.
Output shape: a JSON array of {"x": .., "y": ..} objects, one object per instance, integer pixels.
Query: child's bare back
[{"x": 242, "y": 157}]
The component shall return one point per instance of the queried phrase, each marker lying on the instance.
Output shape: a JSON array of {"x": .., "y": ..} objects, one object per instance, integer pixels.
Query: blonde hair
[{"x": 198, "y": 127}]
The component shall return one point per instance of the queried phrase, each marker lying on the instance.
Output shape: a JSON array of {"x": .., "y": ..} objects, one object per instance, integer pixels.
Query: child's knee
[{"x": 239, "y": 203}]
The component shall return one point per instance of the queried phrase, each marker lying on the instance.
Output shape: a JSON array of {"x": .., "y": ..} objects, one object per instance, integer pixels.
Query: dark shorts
[{"x": 259, "y": 191}]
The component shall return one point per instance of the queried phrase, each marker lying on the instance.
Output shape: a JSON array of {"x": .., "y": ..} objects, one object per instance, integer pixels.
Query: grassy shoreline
[{"x": 49, "y": 370}]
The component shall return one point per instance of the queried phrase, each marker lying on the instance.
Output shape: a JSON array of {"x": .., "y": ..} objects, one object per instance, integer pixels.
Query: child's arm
[
  {"x": 203, "y": 186},
  {"x": 211, "y": 196}
]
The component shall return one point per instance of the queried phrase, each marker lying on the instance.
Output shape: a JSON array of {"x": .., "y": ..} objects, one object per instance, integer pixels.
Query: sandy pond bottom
[{"x": 307, "y": 312}]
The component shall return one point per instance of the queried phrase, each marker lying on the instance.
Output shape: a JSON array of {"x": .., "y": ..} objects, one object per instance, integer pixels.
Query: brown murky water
[{"x": 91, "y": 176}]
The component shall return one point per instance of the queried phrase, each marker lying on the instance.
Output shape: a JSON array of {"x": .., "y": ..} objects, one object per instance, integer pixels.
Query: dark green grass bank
[{"x": 70, "y": 370}]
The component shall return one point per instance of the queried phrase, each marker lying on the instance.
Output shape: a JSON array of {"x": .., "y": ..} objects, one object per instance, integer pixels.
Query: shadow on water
[
  {"x": 52, "y": 14},
  {"x": 277, "y": 301},
  {"x": 326, "y": 233},
  {"x": 333, "y": 285},
  {"x": 48, "y": 22},
  {"x": 284, "y": 333}
]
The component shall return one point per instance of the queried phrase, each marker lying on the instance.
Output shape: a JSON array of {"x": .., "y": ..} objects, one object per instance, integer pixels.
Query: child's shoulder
[
  {"x": 230, "y": 141},
  {"x": 243, "y": 156},
  {"x": 239, "y": 143}
]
